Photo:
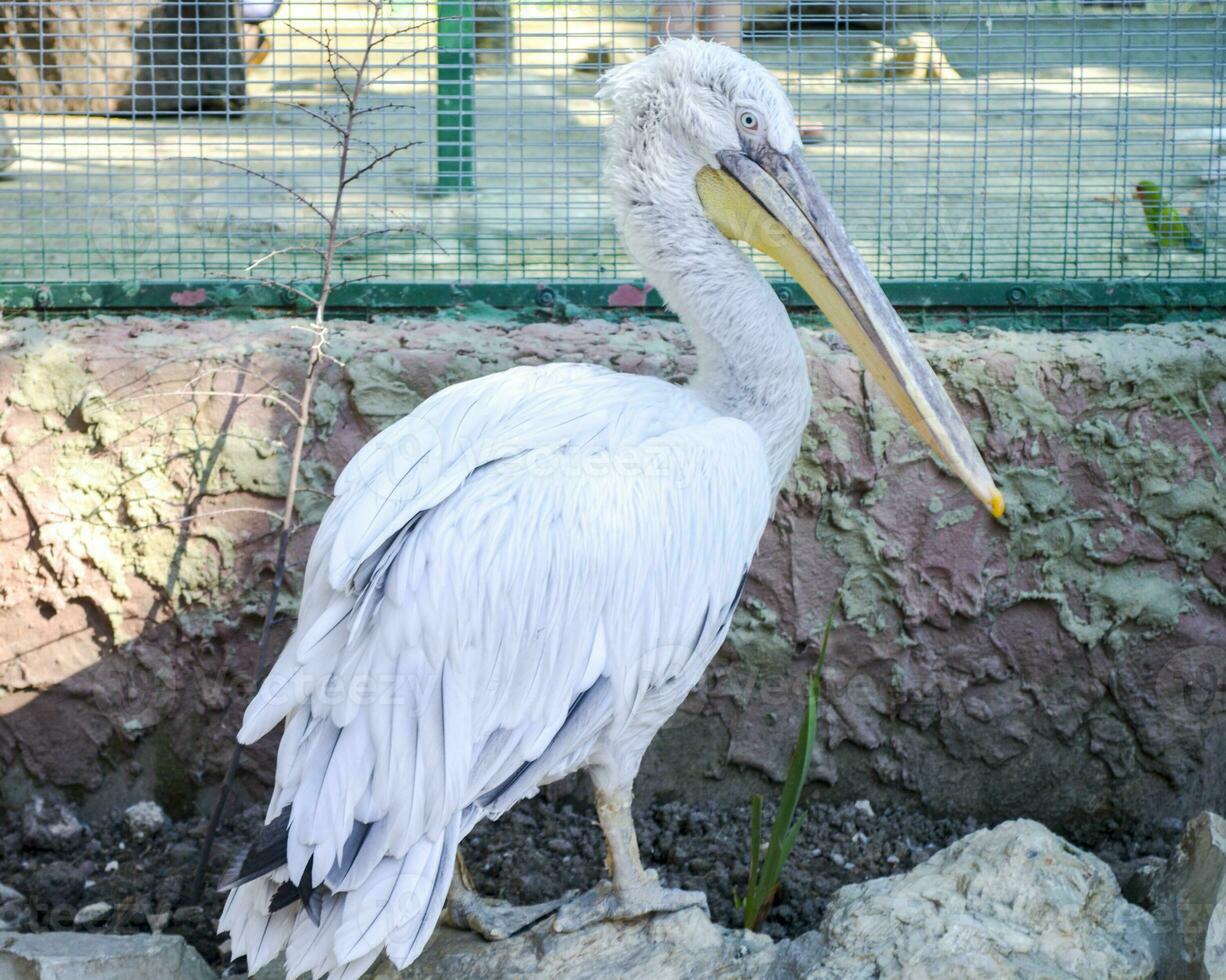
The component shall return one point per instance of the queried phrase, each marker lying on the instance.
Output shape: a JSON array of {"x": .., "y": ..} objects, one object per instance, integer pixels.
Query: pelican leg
[
  {"x": 490, "y": 918},
  {"x": 633, "y": 890}
]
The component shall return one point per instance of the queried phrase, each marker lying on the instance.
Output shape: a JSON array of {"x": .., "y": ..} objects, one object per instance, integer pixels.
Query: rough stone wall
[{"x": 1067, "y": 664}]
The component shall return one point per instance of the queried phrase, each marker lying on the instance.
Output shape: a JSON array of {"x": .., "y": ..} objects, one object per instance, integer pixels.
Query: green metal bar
[
  {"x": 1038, "y": 296},
  {"x": 454, "y": 113}
]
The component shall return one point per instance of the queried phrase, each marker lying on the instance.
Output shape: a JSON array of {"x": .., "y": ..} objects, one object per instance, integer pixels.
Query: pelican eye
[{"x": 748, "y": 121}]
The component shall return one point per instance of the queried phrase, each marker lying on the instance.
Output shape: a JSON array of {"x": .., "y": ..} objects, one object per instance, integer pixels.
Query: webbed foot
[
  {"x": 492, "y": 918},
  {"x": 604, "y": 903}
]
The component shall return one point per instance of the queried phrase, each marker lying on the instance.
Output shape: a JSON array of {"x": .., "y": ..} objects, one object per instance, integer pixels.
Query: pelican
[{"x": 526, "y": 575}]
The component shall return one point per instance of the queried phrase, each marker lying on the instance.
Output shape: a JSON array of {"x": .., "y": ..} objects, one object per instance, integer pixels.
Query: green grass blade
[
  {"x": 789, "y": 840},
  {"x": 821, "y": 650},
  {"x": 789, "y": 799},
  {"x": 764, "y": 873},
  {"x": 752, "y": 893}
]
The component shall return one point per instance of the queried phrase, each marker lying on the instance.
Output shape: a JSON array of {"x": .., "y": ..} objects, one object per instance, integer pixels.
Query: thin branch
[
  {"x": 335, "y": 55},
  {"x": 352, "y": 279},
  {"x": 272, "y": 180},
  {"x": 400, "y": 32},
  {"x": 274, "y": 515},
  {"x": 385, "y": 155},
  {"x": 324, "y": 41},
  {"x": 211, "y": 392},
  {"x": 323, "y": 117},
  {"x": 289, "y": 287},
  {"x": 399, "y": 62},
  {"x": 366, "y": 110},
  {"x": 361, "y": 142},
  {"x": 375, "y": 232},
  {"x": 316, "y": 358},
  {"x": 283, "y": 251}
]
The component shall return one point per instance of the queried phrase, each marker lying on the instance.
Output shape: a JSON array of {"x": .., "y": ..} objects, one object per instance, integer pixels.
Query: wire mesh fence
[{"x": 961, "y": 141}]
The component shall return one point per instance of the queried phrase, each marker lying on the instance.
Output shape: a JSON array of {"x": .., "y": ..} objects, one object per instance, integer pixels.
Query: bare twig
[
  {"x": 379, "y": 158},
  {"x": 383, "y": 38},
  {"x": 186, "y": 519},
  {"x": 322, "y": 117},
  {"x": 343, "y": 124},
  {"x": 283, "y": 251},
  {"x": 352, "y": 279},
  {"x": 388, "y": 69},
  {"x": 372, "y": 233},
  {"x": 271, "y": 180},
  {"x": 242, "y": 396},
  {"x": 290, "y": 288},
  {"x": 367, "y": 110}
]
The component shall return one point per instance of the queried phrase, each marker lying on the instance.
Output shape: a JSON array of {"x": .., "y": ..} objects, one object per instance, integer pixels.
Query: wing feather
[{"x": 528, "y": 567}]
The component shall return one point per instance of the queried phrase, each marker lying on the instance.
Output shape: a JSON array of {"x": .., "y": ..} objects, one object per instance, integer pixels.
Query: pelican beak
[{"x": 770, "y": 200}]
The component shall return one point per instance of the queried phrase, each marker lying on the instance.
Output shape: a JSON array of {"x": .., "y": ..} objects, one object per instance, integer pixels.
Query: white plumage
[{"x": 527, "y": 574}]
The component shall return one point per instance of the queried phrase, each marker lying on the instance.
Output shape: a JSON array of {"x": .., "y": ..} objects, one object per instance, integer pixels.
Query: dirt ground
[
  {"x": 1023, "y": 166},
  {"x": 538, "y": 851}
]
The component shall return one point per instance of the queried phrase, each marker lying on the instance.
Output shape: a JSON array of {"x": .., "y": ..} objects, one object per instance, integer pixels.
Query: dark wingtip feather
[
  {"x": 285, "y": 896},
  {"x": 289, "y": 892},
  {"x": 265, "y": 855},
  {"x": 314, "y": 905},
  {"x": 268, "y": 854},
  {"x": 235, "y": 871}
]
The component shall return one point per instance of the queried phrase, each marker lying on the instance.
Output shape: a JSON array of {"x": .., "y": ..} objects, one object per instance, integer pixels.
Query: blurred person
[{"x": 253, "y": 14}]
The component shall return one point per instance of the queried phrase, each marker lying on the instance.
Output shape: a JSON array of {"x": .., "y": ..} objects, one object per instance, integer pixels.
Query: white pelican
[{"x": 526, "y": 575}]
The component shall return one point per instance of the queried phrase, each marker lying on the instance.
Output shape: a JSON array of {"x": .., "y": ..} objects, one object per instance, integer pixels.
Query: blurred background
[{"x": 982, "y": 142}]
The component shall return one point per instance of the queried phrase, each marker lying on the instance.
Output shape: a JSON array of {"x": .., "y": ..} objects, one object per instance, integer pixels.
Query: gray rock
[
  {"x": 273, "y": 971},
  {"x": 1012, "y": 902},
  {"x": 92, "y": 914},
  {"x": 14, "y": 909},
  {"x": 58, "y": 885},
  {"x": 795, "y": 958},
  {"x": 1190, "y": 903},
  {"x": 74, "y": 955},
  {"x": 145, "y": 817},
  {"x": 681, "y": 946},
  {"x": 1138, "y": 880},
  {"x": 47, "y": 826}
]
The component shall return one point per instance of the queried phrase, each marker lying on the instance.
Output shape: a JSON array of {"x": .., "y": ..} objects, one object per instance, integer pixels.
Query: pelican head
[{"x": 702, "y": 138}]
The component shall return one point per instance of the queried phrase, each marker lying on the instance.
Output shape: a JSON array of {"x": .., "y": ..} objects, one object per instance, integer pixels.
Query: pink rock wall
[{"x": 1068, "y": 664}]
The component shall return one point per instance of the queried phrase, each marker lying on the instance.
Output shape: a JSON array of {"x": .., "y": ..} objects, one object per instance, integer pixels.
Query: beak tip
[{"x": 996, "y": 504}]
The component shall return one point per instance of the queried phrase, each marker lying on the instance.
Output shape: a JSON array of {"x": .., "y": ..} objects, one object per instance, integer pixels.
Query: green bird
[{"x": 1165, "y": 223}]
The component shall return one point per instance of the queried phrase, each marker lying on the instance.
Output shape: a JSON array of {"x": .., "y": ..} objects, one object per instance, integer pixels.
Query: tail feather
[
  {"x": 255, "y": 933},
  {"x": 339, "y": 934},
  {"x": 406, "y": 942},
  {"x": 310, "y": 946},
  {"x": 398, "y": 895}
]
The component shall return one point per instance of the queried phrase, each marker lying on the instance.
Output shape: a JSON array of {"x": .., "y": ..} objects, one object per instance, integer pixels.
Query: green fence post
[{"x": 454, "y": 120}]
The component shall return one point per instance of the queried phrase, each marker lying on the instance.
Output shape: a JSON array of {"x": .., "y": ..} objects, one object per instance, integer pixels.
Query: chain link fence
[{"x": 964, "y": 143}]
